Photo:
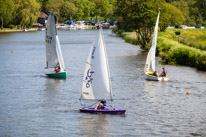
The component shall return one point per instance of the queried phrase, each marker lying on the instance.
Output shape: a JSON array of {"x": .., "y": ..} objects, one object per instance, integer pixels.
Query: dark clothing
[
  {"x": 163, "y": 74},
  {"x": 103, "y": 102},
  {"x": 154, "y": 74},
  {"x": 102, "y": 107}
]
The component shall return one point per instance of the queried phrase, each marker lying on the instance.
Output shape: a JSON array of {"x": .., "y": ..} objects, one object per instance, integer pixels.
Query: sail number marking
[
  {"x": 89, "y": 78},
  {"x": 48, "y": 39}
]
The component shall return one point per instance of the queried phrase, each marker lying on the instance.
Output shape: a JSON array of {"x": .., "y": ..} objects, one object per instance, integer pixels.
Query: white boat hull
[{"x": 149, "y": 76}]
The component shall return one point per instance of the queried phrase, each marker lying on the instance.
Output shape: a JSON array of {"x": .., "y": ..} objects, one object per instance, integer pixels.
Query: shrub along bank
[
  {"x": 173, "y": 52},
  {"x": 179, "y": 46}
]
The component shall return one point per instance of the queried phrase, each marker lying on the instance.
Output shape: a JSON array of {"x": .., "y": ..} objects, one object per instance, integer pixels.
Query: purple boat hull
[{"x": 104, "y": 111}]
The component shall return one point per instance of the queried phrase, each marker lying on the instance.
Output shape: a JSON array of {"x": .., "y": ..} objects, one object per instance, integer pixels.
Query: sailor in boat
[
  {"x": 101, "y": 105},
  {"x": 163, "y": 74},
  {"x": 57, "y": 69},
  {"x": 155, "y": 73}
]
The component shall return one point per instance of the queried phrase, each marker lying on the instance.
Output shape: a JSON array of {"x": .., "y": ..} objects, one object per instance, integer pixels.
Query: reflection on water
[
  {"x": 100, "y": 125},
  {"x": 34, "y": 105},
  {"x": 94, "y": 125},
  {"x": 53, "y": 84}
]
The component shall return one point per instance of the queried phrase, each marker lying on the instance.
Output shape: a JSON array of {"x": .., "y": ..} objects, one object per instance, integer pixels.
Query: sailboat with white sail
[
  {"x": 96, "y": 81},
  {"x": 150, "y": 62},
  {"x": 54, "y": 58}
]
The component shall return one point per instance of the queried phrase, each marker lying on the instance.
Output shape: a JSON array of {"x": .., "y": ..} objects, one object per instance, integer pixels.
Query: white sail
[
  {"x": 59, "y": 55},
  {"x": 151, "y": 55},
  {"x": 54, "y": 56},
  {"x": 96, "y": 81}
]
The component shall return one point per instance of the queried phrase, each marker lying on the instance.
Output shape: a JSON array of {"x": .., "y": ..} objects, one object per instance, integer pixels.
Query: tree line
[
  {"x": 140, "y": 16},
  {"x": 26, "y": 12},
  {"x": 131, "y": 15}
]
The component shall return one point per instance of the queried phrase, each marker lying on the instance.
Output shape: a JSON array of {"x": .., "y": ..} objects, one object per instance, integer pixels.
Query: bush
[
  {"x": 130, "y": 40},
  {"x": 177, "y": 32},
  {"x": 173, "y": 52},
  {"x": 201, "y": 61},
  {"x": 11, "y": 26}
]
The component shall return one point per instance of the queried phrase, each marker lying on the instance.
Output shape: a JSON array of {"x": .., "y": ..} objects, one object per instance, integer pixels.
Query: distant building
[{"x": 42, "y": 18}]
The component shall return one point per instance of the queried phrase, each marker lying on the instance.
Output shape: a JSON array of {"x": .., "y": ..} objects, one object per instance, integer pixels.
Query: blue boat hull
[
  {"x": 103, "y": 111},
  {"x": 57, "y": 75}
]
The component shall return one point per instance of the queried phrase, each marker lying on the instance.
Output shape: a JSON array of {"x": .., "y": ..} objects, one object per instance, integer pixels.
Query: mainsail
[
  {"x": 59, "y": 55},
  {"x": 53, "y": 50},
  {"x": 96, "y": 81},
  {"x": 151, "y": 55}
]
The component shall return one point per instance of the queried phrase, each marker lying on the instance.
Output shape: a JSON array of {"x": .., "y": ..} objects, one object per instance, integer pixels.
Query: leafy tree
[
  {"x": 194, "y": 10},
  {"x": 78, "y": 9},
  {"x": 201, "y": 6},
  {"x": 75, "y": 9},
  {"x": 67, "y": 11},
  {"x": 170, "y": 15},
  {"x": 26, "y": 12},
  {"x": 184, "y": 7},
  {"x": 43, "y": 5},
  {"x": 100, "y": 8},
  {"x": 70, "y": 9},
  {"x": 139, "y": 16},
  {"x": 196, "y": 16},
  {"x": 110, "y": 11},
  {"x": 79, "y": 12},
  {"x": 87, "y": 9},
  {"x": 170, "y": 1},
  {"x": 6, "y": 10},
  {"x": 54, "y": 5}
]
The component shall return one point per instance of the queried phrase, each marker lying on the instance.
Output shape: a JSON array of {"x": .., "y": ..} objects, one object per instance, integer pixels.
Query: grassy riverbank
[
  {"x": 16, "y": 30},
  {"x": 179, "y": 46}
]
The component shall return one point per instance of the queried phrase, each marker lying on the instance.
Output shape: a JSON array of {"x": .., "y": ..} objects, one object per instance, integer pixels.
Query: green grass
[
  {"x": 172, "y": 52},
  {"x": 8, "y": 29},
  {"x": 126, "y": 36},
  {"x": 191, "y": 37}
]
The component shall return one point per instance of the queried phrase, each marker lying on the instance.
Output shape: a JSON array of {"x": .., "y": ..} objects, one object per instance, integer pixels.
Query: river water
[{"x": 34, "y": 105}]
